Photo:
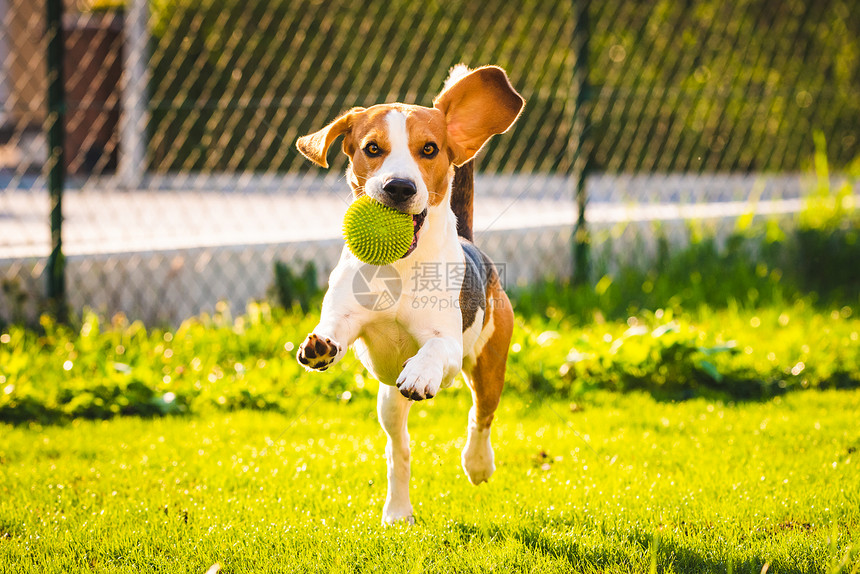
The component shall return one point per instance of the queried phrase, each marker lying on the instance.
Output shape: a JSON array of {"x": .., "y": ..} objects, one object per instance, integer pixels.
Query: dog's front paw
[
  {"x": 317, "y": 353},
  {"x": 420, "y": 378}
]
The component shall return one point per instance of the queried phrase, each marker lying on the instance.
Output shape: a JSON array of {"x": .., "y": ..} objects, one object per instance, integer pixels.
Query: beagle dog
[{"x": 440, "y": 309}]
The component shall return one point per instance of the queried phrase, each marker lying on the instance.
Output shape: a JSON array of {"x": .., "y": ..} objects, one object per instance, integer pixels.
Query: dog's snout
[{"x": 400, "y": 189}]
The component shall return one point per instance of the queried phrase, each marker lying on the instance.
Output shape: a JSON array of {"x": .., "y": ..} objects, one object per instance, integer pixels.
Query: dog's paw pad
[{"x": 317, "y": 353}]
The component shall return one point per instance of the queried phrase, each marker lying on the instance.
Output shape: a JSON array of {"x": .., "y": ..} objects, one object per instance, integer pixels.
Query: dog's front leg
[
  {"x": 338, "y": 328},
  {"x": 436, "y": 363}
]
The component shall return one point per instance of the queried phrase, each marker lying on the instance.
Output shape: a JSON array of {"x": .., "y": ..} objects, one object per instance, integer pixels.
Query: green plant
[
  {"x": 825, "y": 249},
  {"x": 293, "y": 289},
  {"x": 100, "y": 371},
  {"x": 769, "y": 263},
  {"x": 16, "y": 299}
]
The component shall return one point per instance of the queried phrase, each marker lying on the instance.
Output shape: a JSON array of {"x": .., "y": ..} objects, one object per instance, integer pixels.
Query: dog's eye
[
  {"x": 430, "y": 150},
  {"x": 372, "y": 150}
]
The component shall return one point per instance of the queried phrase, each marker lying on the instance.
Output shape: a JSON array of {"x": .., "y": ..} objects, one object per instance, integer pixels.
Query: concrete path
[
  {"x": 179, "y": 247},
  {"x": 99, "y": 222}
]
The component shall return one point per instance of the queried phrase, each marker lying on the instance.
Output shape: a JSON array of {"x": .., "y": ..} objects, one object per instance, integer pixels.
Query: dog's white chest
[{"x": 383, "y": 347}]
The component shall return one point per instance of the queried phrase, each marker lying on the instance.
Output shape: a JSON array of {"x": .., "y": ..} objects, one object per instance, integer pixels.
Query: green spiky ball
[{"x": 375, "y": 233}]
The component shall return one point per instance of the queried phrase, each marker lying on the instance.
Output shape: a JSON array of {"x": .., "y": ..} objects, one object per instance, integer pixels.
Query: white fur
[
  {"x": 399, "y": 163},
  {"x": 478, "y": 458},
  {"x": 412, "y": 329},
  {"x": 427, "y": 338},
  {"x": 456, "y": 74},
  {"x": 415, "y": 345},
  {"x": 393, "y": 410}
]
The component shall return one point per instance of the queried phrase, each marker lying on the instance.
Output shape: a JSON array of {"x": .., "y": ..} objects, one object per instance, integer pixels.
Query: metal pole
[
  {"x": 582, "y": 151},
  {"x": 55, "y": 124},
  {"x": 133, "y": 120}
]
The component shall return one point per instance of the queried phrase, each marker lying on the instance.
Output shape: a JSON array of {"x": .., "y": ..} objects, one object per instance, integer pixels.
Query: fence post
[
  {"x": 56, "y": 163},
  {"x": 133, "y": 117},
  {"x": 582, "y": 151}
]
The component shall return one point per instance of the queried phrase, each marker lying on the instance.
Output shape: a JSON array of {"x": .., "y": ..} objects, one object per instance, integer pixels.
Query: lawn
[
  {"x": 613, "y": 483},
  {"x": 660, "y": 420}
]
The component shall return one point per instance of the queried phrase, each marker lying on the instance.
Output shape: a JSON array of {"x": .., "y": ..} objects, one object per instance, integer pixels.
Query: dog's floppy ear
[
  {"x": 315, "y": 146},
  {"x": 480, "y": 104}
]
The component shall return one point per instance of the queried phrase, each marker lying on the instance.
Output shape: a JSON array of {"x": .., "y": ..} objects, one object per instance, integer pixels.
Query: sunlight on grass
[
  {"x": 588, "y": 488},
  {"x": 236, "y": 456}
]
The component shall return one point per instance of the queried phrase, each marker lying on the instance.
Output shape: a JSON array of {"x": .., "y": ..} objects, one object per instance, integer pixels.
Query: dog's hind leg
[
  {"x": 393, "y": 411},
  {"x": 486, "y": 379}
]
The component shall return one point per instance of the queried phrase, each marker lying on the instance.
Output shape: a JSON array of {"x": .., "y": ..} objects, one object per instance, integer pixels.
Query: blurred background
[{"x": 148, "y": 165}]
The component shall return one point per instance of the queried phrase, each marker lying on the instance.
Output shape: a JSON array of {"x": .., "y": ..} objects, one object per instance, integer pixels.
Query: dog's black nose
[{"x": 400, "y": 189}]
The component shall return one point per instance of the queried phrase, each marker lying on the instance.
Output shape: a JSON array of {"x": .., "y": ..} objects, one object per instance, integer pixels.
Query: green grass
[
  {"x": 617, "y": 483},
  {"x": 264, "y": 467},
  {"x": 101, "y": 371},
  {"x": 237, "y": 456}
]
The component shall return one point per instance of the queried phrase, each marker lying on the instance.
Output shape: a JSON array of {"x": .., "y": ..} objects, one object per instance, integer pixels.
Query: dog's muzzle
[{"x": 400, "y": 190}]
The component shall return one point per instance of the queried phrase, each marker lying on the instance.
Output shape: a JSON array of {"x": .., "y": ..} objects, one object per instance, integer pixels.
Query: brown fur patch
[
  {"x": 488, "y": 375},
  {"x": 479, "y": 105},
  {"x": 427, "y": 125},
  {"x": 368, "y": 126},
  {"x": 462, "y": 193}
]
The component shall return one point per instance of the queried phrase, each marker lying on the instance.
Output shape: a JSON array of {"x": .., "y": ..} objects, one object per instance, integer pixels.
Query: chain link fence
[{"x": 183, "y": 186}]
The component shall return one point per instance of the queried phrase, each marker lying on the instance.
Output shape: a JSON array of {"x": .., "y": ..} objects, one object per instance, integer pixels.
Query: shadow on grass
[{"x": 628, "y": 549}]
